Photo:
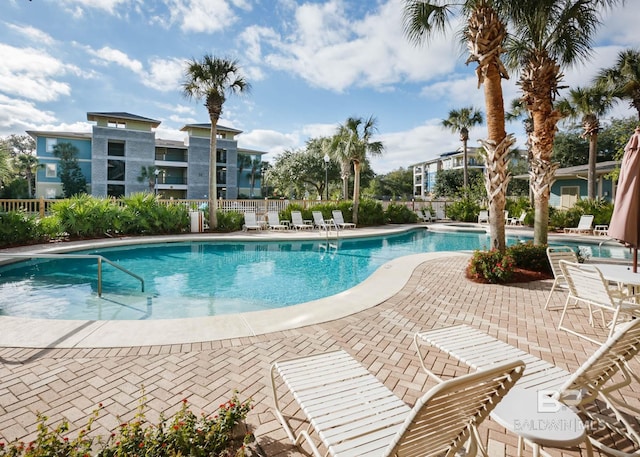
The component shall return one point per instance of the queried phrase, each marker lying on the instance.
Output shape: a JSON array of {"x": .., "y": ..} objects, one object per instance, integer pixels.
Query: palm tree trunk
[
  {"x": 356, "y": 190},
  {"x": 213, "y": 176},
  {"x": 497, "y": 147},
  {"x": 465, "y": 171},
  {"x": 591, "y": 176}
]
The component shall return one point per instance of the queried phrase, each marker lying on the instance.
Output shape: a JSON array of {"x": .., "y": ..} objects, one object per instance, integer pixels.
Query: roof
[
  {"x": 91, "y": 116},
  {"x": 581, "y": 171},
  {"x": 49, "y": 133},
  {"x": 250, "y": 151},
  {"x": 208, "y": 126}
]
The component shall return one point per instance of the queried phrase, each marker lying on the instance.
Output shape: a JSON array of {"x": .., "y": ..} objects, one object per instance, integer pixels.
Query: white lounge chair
[
  {"x": 483, "y": 217},
  {"x": 518, "y": 220},
  {"x": 584, "y": 225},
  {"x": 599, "y": 378},
  {"x": 424, "y": 215},
  {"x": 339, "y": 222},
  {"x": 555, "y": 254},
  {"x": 250, "y": 222},
  {"x": 298, "y": 223},
  {"x": 588, "y": 287},
  {"x": 354, "y": 414},
  {"x": 320, "y": 222},
  {"x": 440, "y": 216},
  {"x": 275, "y": 223}
]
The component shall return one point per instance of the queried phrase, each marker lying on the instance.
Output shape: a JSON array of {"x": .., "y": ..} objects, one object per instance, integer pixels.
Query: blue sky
[{"x": 311, "y": 65}]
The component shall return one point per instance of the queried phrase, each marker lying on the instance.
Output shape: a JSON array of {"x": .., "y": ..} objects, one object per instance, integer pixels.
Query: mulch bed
[{"x": 519, "y": 275}]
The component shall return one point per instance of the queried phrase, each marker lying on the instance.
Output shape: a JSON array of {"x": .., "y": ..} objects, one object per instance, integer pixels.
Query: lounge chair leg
[{"x": 553, "y": 287}]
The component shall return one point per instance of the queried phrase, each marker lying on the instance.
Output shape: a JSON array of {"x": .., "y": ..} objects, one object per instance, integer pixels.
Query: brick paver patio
[{"x": 69, "y": 383}]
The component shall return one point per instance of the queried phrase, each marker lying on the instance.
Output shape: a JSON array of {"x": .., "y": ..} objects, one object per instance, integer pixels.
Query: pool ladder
[{"x": 99, "y": 258}]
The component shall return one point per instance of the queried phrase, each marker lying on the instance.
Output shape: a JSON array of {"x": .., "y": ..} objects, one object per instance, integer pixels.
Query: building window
[
  {"x": 115, "y": 149},
  {"x": 50, "y": 170},
  {"x": 115, "y": 190},
  {"x": 50, "y": 143},
  {"x": 117, "y": 124},
  {"x": 221, "y": 156},
  {"x": 115, "y": 170}
]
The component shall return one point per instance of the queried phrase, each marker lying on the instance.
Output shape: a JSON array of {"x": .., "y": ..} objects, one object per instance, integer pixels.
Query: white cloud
[
  {"x": 32, "y": 74},
  {"x": 202, "y": 15},
  {"x": 110, "y": 55},
  {"x": 164, "y": 74},
  {"x": 77, "y": 6},
  {"x": 269, "y": 140},
  {"x": 329, "y": 49},
  {"x": 18, "y": 115},
  {"x": 33, "y": 34}
]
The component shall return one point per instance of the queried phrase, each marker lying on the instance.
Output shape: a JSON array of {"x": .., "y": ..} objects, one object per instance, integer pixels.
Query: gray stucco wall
[
  {"x": 198, "y": 171},
  {"x": 139, "y": 152}
]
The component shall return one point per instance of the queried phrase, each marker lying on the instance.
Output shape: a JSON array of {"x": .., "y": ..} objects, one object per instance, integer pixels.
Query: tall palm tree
[
  {"x": 26, "y": 165},
  {"x": 354, "y": 143},
  {"x": 336, "y": 150},
  {"x": 589, "y": 104},
  {"x": 459, "y": 121},
  {"x": 484, "y": 33},
  {"x": 546, "y": 36},
  {"x": 623, "y": 79},
  {"x": 211, "y": 79}
]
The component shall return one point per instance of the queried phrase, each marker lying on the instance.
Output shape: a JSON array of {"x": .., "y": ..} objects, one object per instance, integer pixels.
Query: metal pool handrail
[{"x": 81, "y": 256}]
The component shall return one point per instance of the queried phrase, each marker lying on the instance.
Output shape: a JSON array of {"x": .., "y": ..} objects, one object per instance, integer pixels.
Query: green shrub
[
  {"x": 491, "y": 266},
  {"x": 144, "y": 215},
  {"x": 306, "y": 213},
  {"x": 466, "y": 209},
  {"x": 83, "y": 216},
  {"x": 19, "y": 228},
  {"x": 370, "y": 212},
  {"x": 399, "y": 214},
  {"x": 51, "y": 227},
  {"x": 230, "y": 221},
  {"x": 186, "y": 434},
  {"x": 530, "y": 257},
  {"x": 600, "y": 208}
]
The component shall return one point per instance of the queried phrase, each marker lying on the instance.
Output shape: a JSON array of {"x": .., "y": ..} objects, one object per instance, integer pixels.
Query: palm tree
[
  {"x": 459, "y": 121},
  {"x": 211, "y": 79},
  {"x": 590, "y": 104},
  {"x": 353, "y": 145},
  {"x": 26, "y": 165},
  {"x": 547, "y": 35},
  {"x": 336, "y": 150},
  {"x": 484, "y": 33},
  {"x": 148, "y": 174},
  {"x": 623, "y": 79}
]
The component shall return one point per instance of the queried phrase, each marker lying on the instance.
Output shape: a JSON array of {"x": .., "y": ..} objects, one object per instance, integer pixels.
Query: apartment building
[
  {"x": 424, "y": 173},
  {"x": 113, "y": 156}
]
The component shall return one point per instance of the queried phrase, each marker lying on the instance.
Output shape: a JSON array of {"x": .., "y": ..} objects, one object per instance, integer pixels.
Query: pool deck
[{"x": 64, "y": 369}]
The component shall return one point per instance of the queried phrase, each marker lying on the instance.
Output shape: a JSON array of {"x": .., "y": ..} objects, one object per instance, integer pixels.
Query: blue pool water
[{"x": 194, "y": 279}]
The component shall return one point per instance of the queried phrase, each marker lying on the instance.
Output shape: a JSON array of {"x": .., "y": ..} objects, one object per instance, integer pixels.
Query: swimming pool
[{"x": 195, "y": 279}]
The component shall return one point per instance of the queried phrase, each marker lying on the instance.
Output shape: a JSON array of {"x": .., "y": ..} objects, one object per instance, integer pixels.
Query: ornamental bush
[
  {"x": 530, "y": 256},
  {"x": 186, "y": 434},
  {"x": 18, "y": 228},
  {"x": 491, "y": 266},
  {"x": 399, "y": 214}
]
